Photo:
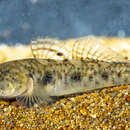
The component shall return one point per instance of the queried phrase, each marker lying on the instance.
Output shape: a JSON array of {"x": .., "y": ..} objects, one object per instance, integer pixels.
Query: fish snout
[{"x": 6, "y": 90}]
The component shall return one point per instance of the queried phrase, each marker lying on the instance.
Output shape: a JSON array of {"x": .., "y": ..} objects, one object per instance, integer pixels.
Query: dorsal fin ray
[
  {"x": 49, "y": 48},
  {"x": 94, "y": 48},
  {"x": 86, "y": 48}
]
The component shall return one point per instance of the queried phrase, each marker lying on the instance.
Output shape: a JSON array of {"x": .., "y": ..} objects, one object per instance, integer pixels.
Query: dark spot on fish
[
  {"x": 4, "y": 72},
  {"x": 2, "y": 87},
  {"x": 90, "y": 77},
  {"x": 99, "y": 65},
  {"x": 47, "y": 78},
  {"x": 112, "y": 71},
  {"x": 78, "y": 68},
  {"x": 30, "y": 75},
  {"x": 126, "y": 80},
  {"x": 119, "y": 74},
  {"x": 6, "y": 78},
  {"x": 95, "y": 72},
  {"x": 65, "y": 80},
  {"x": 54, "y": 71},
  {"x": 65, "y": 60},
  {"x": 76, "y": 76},
  {"x": 25, "y": 66},
  {"x": 113, "y": 80},
  {"x": 60, "y": 54},
  {"x": 92, "y": 67},
  {"x": 82, "y": 58},
  {"x": 126, "y": 58},
  {"x": 105, "y": 75},
  {"x": 97, "y": 82},
  {"x": 84, "y": 61}
]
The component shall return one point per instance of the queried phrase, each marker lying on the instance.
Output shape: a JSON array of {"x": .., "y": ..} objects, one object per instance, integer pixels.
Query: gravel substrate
[{"x": 105, "y": 109}]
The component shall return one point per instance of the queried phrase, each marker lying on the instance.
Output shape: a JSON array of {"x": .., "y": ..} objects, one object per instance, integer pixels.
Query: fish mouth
[{"x": 13, "y": 96}]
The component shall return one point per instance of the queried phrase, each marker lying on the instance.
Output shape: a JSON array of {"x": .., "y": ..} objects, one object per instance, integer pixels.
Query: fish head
[
  {"x": 12, "y": 86},
  {"x": 23, "y": 81}
]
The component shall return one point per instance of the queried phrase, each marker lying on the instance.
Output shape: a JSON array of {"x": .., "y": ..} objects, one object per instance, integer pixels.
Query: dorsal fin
[
  {"x": 94, "y": 48},
  {"x": 49, "y": 48},
  {"x": 86, "y": 48}
]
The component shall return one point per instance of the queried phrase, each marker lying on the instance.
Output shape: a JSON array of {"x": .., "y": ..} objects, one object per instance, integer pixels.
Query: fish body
[
  {"x": 36, "y": 80},
  {"x": 60, "y": 69}
]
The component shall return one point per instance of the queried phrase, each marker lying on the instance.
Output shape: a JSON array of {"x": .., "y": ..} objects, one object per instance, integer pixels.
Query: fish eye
[{"x": 47, "y": 78}]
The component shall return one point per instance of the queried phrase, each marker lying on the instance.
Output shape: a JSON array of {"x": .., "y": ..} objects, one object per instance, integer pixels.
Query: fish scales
[{"x": 37, "y": 80}]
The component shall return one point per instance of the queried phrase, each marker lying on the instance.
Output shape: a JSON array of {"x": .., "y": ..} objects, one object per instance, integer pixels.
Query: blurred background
[{"x": 22, "y": 20}]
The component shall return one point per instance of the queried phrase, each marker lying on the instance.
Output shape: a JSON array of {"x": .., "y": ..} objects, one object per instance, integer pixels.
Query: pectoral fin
[{"x": 34, "y": 95}]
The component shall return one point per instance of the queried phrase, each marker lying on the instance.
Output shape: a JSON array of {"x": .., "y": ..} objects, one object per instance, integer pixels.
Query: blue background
[{"x": 22, "y": 20}]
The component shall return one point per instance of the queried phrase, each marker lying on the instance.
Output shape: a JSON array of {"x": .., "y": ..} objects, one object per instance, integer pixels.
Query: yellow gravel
[{"x": 100, "y": 109}]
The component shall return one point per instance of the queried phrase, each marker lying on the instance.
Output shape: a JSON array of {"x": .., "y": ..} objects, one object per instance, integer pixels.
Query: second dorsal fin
[{"x": 94, "y": 48}]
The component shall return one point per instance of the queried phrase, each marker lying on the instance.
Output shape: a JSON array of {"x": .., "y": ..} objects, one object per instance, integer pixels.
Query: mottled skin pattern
[{"x": 36, "y": 80}]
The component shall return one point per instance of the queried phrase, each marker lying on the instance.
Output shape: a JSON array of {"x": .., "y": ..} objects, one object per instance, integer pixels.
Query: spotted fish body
[
  {"x": 37, "y": 80},
  {"x": 58, "y": 70}
]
